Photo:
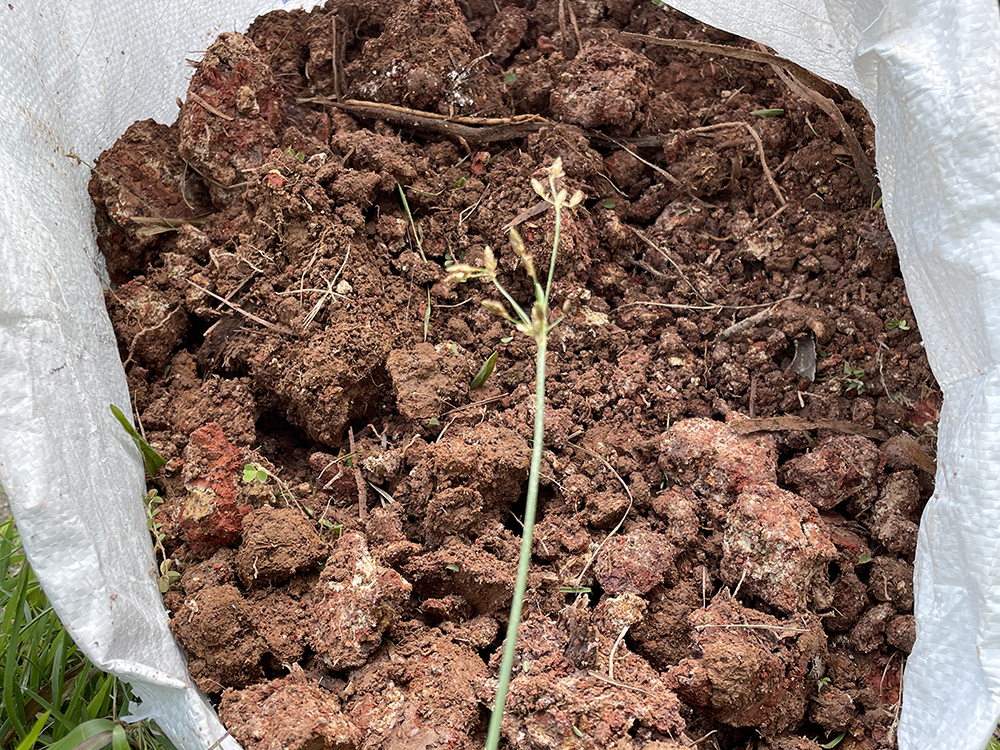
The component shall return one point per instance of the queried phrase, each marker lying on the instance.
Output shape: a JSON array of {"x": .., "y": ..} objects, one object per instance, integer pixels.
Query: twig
[
  {"x": 660, "y": 171},
  {"x": 241, "y": 311},
  {"x": 362, "y": 487},
  {"x": 209, "y": 107},
  {"x": 466, "y": 130},
  {"x": 671, "y": 261},
  {"x": 613, "y": 531},
  {"x": 711, "y": 306},
  {"x": 335, "y": 59},
  {"x": 738, "y": 53},
  {"x": 563, "y": 36},
  {"x": 775, "y": 424},
  {"x": 748, "y": 626},
  {"x": 864, "y": 170},
  {"x": 602, "y": 678},
  {"x": 763, "y": 164},
  {"x": 576, "y": 27},
  {"x": 748, "y": 323},
  {"x": 614, "y": 648}
]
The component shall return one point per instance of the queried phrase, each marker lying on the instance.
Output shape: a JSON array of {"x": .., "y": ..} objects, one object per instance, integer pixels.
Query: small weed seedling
[
  {"x": 417, "y": 234},
  {"x": 899, "y": 323},
  {"x": 537, "y": 326},
  {"x": 852, "y": 378},
  {"x": 254, "y": 473},
  {"x": 167, "y": 576},
  {"x": 484, "y": 372}
]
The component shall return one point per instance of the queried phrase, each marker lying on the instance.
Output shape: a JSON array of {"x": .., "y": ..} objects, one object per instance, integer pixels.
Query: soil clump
[{"x": 740, "y": 418}]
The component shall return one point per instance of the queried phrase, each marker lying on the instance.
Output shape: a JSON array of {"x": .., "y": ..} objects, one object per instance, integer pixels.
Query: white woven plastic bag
[{"x": 73, "y": 75}]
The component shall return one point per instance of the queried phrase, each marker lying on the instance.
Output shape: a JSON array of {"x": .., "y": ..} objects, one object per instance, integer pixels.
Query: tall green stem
[{"x": 510, "y": 646}]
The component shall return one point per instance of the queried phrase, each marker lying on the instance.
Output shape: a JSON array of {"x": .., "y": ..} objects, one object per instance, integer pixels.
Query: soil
[{"x": 740, "y": 418}]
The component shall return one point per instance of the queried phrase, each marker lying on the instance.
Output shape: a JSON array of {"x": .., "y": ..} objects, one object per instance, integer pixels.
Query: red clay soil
[{"x": 740, "y": 419}]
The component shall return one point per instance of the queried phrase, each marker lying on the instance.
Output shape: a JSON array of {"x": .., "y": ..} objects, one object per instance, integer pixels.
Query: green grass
[{"x": 52, "y": 696}]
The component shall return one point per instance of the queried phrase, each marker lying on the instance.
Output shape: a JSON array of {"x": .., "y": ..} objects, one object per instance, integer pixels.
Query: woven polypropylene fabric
[
  {"x": 928, "y": 73},
  {"x": 75, "y": 75}
]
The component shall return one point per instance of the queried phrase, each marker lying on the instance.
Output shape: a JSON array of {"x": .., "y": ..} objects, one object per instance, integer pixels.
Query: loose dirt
[{"x": 740, "y": 418}]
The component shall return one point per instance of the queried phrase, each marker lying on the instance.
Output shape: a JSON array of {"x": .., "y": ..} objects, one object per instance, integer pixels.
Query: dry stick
[
  {"x": 777, "y": 424},
  {"x": 209, "y": 107},
  {"x": 335, "y": 59},
  {"x": 748, "y": 626},
  {"x": 563, "y": 36},
  {"x": 865, "y": 174},
  {"x": 660, "y": 171},
  {"x": 738, "y": 53},
  {"x": 613, "y": 531},
  {"x": 241, "y": 311},
  {"x": 602, "y": 678},
  {"x": 763, "y": 164},
  {"x": 671, "y": 261},
  {"x": 362, "y": 487},
  {"x": 576, "y": 28},
  {"x": 614, "y": 648},
  {"x": 747, "y": 323}
]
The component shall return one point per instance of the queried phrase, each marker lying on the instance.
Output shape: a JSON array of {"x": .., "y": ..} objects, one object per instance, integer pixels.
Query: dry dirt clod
[
  {"x": 711, "y": 524},
  {"x": 356, "y": 600}
]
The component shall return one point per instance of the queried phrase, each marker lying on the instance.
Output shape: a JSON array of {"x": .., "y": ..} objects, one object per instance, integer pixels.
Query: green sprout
[
  {"x": 899, "y": 323},
  {"x": 852, "y": 378},
  {"x": 152, "y": 460},
  {"x": 168, "y": 575},
  {"x": 484, "y": 372},
  {"x": 254, "y": 473},
  {"x": 297, "y": 154},
  {"x": 509, "y": 77},
  {"x": 536, "y": 325},
  {"x": 765, "y": 113},
  {"x": 417, "y": 235},
  {"x": 609, "y": 203}
]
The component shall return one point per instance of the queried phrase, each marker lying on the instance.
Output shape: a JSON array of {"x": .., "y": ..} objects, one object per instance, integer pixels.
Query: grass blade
[
  {"x": 150, "y": 458},
  {"x": 29, "y": 741}
]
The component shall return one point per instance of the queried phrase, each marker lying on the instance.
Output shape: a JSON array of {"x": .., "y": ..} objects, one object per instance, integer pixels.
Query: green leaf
[
  {"x": 509, "y": 77},
  {"x": 459, "y": 183},
  {"x": 609, "y": 203},
  {"x": 453, "y": 568},
  {"x": 574, "y": 589},
  {"x": 91, "y": 735},
  {"x": 99, "y": 704},
  {"x": 865, "y": 558},
  {"x": 768, "y": 112},
  {"x": 834, "y": 742},
  {"x": 119, "y": 740},
  {"x": 433, "y": 422},
  {"x": 484, "y": 372},
  {"x": 150, "y": 458},
  {"x": 29, "y": 741}
]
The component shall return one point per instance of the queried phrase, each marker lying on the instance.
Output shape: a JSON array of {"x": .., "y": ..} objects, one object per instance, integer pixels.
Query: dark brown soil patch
[{"x": 740, "y": 418}]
